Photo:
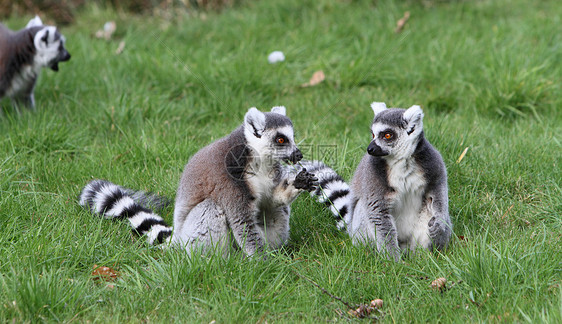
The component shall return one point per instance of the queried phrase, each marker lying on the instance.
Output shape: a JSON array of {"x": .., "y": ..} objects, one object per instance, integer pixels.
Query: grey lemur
[
  {"x": 398, "y": 197},
  {"x": 23, "y": 54},
  {"x": 234, "y": 192}
]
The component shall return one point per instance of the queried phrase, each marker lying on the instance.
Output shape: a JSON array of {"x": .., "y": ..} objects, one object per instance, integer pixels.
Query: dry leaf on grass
[
  {"x": 376, "y": 303},
  {"x": 439, "y": 284},
  {"x": 107, "y": 31},
  {"x": 462, "y": 155},
  {"x": 104, "y": 273},
  {"x": 120, "y": 49},
  {"x": 401, "y": 23},
  {"x": 365, "y": 310},
  {"x": 317, "y": 77}
]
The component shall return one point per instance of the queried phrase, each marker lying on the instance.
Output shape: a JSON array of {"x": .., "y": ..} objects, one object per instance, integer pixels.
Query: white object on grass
[{"x": 275, "y": 57}]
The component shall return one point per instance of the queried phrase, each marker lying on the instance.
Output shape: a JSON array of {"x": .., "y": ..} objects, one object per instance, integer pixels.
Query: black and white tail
[
  {"x": 332, "y": 190},
  {"x": 115, "y": 202}
]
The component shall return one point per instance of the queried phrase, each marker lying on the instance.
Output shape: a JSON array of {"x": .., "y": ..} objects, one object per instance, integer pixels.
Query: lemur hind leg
[{"x": 205, "y": 230}]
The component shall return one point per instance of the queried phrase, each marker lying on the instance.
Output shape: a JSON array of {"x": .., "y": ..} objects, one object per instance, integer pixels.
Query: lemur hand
[{"x": 306, "y": 181}]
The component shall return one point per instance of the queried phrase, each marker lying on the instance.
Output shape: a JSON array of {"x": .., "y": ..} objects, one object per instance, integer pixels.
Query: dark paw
[
  {"x": 435, "y": 227},
  {"x": 431, "y": 221},
  {"x": 306, "y": 181}
]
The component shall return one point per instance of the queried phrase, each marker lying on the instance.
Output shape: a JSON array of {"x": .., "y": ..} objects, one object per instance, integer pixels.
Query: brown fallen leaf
[
  {"x": 439, "y": 284},
  {"x": 401, "y": 23},
  {"x": 365, "y": 310},
  {"x": 316, "y": 78},
  {"x": 104, "y": 273},
  {"x": 361, "y": 312},
  {"x": 377, "y": 303}
]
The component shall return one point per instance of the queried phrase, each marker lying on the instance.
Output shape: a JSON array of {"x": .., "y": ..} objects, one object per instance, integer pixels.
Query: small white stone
[{"x": 275, "y": 57}]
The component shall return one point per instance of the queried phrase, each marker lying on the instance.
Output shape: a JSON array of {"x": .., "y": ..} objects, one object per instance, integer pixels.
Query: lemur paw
[
  {"x": 439, "y": 232},
  {"x": 306, "y": 181},
  {"x": 436, "y": 227}
]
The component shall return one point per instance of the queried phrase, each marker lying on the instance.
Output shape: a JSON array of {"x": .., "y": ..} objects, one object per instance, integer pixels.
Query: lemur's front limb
[
  {"x": 244, "y": 229},
  {"x": 292, "y": 185},
  {"x": 385, "y": 228},
  {"x": 440, "y": 226}
]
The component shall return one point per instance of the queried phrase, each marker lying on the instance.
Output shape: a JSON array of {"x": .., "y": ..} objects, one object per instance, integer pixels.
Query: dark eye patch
[
  {"x": 281, "y": 139},
  {"x": 387, "y": 134},
  {"x": 45, "y": 37}
]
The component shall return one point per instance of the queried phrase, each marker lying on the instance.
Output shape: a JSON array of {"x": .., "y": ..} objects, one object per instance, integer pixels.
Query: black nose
[
  {"x": 296, "y": 156},
  {"x": 65, "y": 57},
  {"x": 375, "y": 150}
]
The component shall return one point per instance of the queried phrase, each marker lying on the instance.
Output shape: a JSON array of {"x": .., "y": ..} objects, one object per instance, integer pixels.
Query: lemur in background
[
  {"x": 23, "y": 54},
  {"x": 398, "y": 198},
  {"x": 234, "y": 192}
]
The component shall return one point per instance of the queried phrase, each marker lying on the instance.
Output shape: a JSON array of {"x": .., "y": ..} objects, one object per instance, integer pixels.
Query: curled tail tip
[
  {"x": 89, "y": 192},
  {"x": 332, "y": 191},
  {"x": 341, "y": 225},
  {"x": 105, "y": 198},
  {"x": 158, "y": 234}
]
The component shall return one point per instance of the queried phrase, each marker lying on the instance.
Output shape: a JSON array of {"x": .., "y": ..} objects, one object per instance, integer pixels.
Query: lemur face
[
  {"x": 395, "y": 131},
  {"x": 271, "y": 135},
  {"x": 50, "y": 50},
  {"x": 283, "y": 145}
]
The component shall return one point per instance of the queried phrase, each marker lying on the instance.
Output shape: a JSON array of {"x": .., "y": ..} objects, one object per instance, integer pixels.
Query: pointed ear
[
  {"x": 34, "y": 22},
  {"x": 279, "y": 110},
  {"x": 413, "y": 116},
  {"x": 378, "y": 107},
  {"x": 254, "y": 122}
]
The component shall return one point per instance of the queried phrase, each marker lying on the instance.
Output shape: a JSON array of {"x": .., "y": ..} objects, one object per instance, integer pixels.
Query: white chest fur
[
  {"x": 21, "y": 81},
  {"x": 408, "y": 182},
  {"x": 260, "y": 181}
]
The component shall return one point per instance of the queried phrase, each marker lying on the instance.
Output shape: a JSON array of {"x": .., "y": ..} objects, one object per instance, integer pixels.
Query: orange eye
[
  {"x": 280, "y": 140},
  {"x": 387, "y": 136},
  {"x": 373, "y": 135}
]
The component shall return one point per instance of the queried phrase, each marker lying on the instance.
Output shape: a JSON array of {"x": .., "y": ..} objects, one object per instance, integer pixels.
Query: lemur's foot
[
  {"x": 306, "y": 181},
  {"x": 439, "y": 233},
  {"x": 435, "y": 227}
]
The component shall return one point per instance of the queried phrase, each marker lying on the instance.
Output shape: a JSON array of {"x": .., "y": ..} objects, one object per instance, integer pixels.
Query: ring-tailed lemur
[
  {"x": 23, "y": 54},
  {"x": 234, "y": 192},
  {"x": 398, "y": 197}
]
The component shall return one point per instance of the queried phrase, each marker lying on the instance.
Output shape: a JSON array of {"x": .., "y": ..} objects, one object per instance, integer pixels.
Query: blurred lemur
[
  {"x": 23, "y": 54},
  {"x": 234, "y": 192}
]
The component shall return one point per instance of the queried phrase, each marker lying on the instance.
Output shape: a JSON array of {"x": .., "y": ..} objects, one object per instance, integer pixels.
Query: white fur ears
[
  {"x": 413, "y": 114},
  {"x": 254, "y": 122},
  {"x": 378, "y": 107},
  {"x": 279, "y": 110},
  {"x": 34, "y": 22}
]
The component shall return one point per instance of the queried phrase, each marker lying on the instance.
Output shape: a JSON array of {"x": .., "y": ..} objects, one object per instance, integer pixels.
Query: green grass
[{"x": 487, "y": 74}]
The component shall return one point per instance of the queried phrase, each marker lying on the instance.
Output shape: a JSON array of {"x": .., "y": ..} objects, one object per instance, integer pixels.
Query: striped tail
[
  {"x": 115, "y": 202},
  {"x": 332, "y": 190}
]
